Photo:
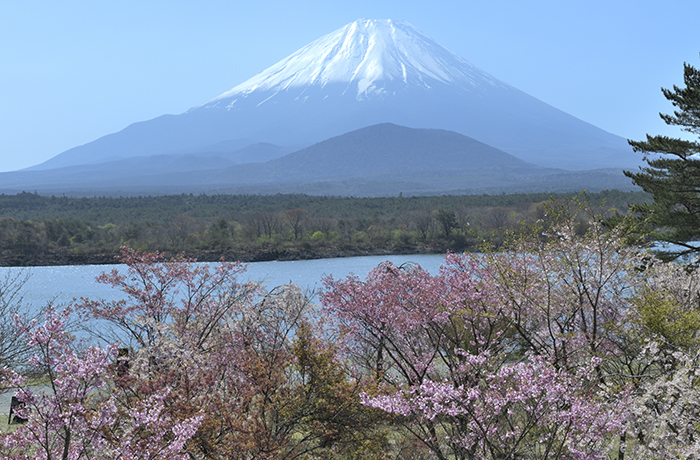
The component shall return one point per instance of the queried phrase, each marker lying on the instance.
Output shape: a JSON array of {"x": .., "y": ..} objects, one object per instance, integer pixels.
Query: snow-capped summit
[{"x": 365, "y": 58}]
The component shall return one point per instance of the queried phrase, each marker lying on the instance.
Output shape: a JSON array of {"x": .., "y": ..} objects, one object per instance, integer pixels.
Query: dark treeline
[{"x": 40, "y": 230}]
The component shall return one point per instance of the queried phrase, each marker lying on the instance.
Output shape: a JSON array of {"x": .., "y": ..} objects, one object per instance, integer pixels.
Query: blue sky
[{"x": 75, "y": 70}]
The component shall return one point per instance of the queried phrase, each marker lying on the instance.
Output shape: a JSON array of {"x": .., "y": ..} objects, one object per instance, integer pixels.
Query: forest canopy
[{"x": 40, "y": 230}]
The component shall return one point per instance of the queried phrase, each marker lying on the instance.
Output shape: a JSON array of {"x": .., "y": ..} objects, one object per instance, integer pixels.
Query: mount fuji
[{"x": 366, "y": 73}]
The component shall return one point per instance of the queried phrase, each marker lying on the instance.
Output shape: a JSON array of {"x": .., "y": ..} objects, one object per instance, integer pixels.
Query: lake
[{"x": 61, "y": 284}]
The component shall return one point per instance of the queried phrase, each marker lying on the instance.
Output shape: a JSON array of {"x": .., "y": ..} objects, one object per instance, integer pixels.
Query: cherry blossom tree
[
  {"x": 204, "y": 341},
  {"x": 666, "y": 412},
  {"x": 666, "y": 405},
  {"x": 77, "y": 416},
  {"x": 13, "y": 349},
  {"x": 500, "y": 355}
]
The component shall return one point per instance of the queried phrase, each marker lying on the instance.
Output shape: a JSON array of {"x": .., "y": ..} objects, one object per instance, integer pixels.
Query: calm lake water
[{"x": 62, "y": 284}]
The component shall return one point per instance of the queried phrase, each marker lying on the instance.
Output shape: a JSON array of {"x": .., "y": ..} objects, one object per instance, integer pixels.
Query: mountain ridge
[{"x": 379, "y": 160}]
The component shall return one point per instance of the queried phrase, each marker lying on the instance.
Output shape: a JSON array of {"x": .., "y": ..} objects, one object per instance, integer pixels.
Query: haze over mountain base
[{"x": 380, "y": 160}]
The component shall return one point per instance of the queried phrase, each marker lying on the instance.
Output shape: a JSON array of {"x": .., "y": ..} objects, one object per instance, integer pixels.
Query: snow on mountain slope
[{"x": 366, "y": 58}]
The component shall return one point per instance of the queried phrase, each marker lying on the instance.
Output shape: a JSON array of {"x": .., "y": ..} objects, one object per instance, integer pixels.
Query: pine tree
[{"x": 673, "y": 178}]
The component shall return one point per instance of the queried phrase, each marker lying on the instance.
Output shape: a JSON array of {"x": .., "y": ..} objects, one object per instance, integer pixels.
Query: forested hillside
[{"x": 40, "y": 230}]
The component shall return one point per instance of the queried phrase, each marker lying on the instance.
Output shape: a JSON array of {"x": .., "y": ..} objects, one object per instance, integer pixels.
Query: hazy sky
[{"x": 75, "y": 70}]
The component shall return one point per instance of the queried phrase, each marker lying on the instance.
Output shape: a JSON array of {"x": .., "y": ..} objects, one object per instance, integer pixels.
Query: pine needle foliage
[{"x": 673, "y": 177}]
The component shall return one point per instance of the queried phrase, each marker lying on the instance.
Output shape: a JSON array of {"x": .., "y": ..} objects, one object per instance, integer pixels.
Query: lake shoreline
[{"x": 283, "y": 255}]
